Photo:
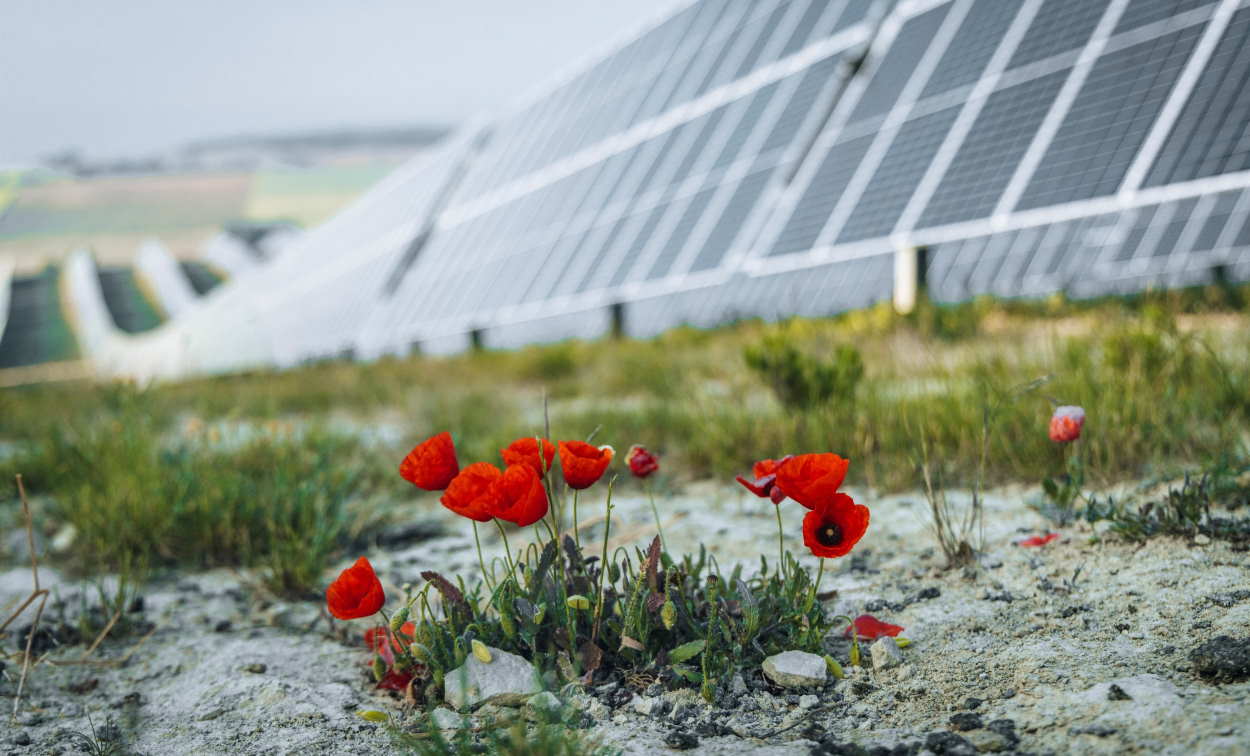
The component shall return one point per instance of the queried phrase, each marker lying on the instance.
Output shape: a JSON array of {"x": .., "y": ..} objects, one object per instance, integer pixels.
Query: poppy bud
[
  {"x": 1066, "y": 424},
  {"x": 641, "y": 462},
  {"x": 420, "y": 652},
  {"x": 578, "y": 602},
  {"x": 507, "y": 624},
  {"x": 835, "y": 669},
  {"x": 399, "y": 619},
  {"x": 379, "y": 668},
  {"x": 669, "y": 614},
  {"x": 854, "y": 654},
  {"x": 539, "y": 613},
  {"x": 481, "y": 651},
  {"x": 370, "y": 715}
]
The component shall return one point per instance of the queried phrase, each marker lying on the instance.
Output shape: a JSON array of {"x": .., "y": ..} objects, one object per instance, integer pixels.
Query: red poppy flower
[
  {"x": 394, "y": 680},
  {"x": 811, "y": 478},
  {"x": 868, "y": 627},
  {"x": 582, "y": 463},
  {"x": 765, "y": 481},
  {"x": 834, "y": 526},
  {"x": 375, "y": 639},
  {"x": 641, "y": 462},
  {"x": 356, "y": 593},
  {"x": 1066, "y": 424},
  {"x": 1038, "y": 540},
  {"x": 524, "y": 451},
  {"x": 518, "y": 496},
  {"x": 469, "y": 494},
  {"x": 431, "y": 464}
]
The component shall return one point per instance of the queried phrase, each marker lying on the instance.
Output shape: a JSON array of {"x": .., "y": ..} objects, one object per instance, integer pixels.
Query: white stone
[
  {"x": 446, "y": 719},
  {"x": 796, "y": 669},
  {"x": 507, "y": 679},
  {"x": 808, "y": 702},
  {"x": 543, "y": 706},
  {"x": 886, "y": 654}
]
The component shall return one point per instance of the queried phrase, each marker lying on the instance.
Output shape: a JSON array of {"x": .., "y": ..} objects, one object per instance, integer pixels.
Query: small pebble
[
  {"x": 255, "y": 668},
  {"x": 681, "y": 740},
  {"x": 965, "y": 720},
  {"x": 808, "y": 702}
]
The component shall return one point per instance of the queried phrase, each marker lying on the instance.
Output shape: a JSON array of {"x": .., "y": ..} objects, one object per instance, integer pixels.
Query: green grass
[{"x": 1164, "y": 377}]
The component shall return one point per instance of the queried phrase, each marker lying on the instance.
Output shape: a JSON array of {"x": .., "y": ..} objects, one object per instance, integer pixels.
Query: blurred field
[{"x": 47, "y": 218}]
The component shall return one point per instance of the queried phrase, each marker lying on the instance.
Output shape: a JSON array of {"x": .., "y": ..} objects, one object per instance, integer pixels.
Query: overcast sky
[{"x": 133, "y": 77}]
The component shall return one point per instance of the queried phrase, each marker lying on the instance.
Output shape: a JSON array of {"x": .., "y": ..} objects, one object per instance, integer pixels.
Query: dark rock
[
  {"x": 1227, "y": 600},
  {"x": 83, "y": 687},
  {"x": 1222, "y": 659},
  {"x": 1168, "y": 650},
  {"x": 972, "y": 703},
  {"x": 21, "y": 739},
  {"x": 1006, "y": 728},
  {"x": 681, "y": 740},
  {"x": 255, "y": 668},
  {"x": 1004, "y": 596},
  {"x": 412, "y": 532},
  {"x": 861, "y": 688},
  {"x": 965, "y": 720},
  {"x": 654, "y": 689},
  {"x": 831, "y": 747},
  {"x": 1098, "y": 731},
  {"x": 931, "y": 592},
  {"x": 1009, "y": 693},
  {"x": 1116, "y": 693},
  {"x": 944, "y": 742},
  {"x": 130, "y": 699},
  {"x": 136, "y": 605},
  {"x": 224, "y": 626}
]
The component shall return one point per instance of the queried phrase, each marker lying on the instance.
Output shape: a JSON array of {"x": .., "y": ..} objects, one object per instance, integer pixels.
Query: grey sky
[{"x": 130, "y": 77}]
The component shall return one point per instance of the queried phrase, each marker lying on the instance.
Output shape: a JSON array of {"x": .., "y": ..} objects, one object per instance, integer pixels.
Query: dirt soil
[{"x": 1080, "y": 646}]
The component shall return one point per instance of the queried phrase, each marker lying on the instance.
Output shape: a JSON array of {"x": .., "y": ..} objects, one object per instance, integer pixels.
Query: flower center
[{"x": 829, "y": 534}]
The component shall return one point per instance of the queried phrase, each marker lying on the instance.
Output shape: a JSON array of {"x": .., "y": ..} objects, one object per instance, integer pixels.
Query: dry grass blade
[{"x": 37, "y": 593}]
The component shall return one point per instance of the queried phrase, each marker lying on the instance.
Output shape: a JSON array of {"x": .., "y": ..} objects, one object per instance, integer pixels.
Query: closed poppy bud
[
  {"x": 582, "y": 463},
  {"x": 811, "y": 478},
  {"x": 524, "y": 451},
  {"x": 379, "y": 668},
  {"x": 397, "y": 622},
  {"x": 469, "y": 494},
  {"x": 835, "y": 669},
  {"x": 834, "y": 526},
  {"x": 668, "y": 614},
  {"x": 371, "y": 715},
  {"x": 578, "y": 602},
  {"x": 481, "y": 651},
  {"x": 1066, "y": 424},
  {"x": 431, "y": 464},
  {"x": 519, "y": 496},
  {"x": 420, "y": 652},
  {"x": 641, "y": 462},
  {"x": 356, "y": 593}
]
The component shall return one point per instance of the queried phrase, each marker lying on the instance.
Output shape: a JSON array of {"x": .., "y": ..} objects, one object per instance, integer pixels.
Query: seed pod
[
  {"x": 668, "y": 614},
  {"x": 507, "y": 624},
  {"x": 902, "y": 642},
  {"x": 399, "y": 619},
  {"x": 854, "y": 654},
  {"x": 481, "y": 651},
  {"x": 835, "y": 669},
  {"x": 370, "y": 715}
]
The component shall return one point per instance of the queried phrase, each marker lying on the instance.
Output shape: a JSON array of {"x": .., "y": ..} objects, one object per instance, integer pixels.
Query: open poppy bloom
[
  {"x": 1038, "y": 540},
  {"x": 356, "y": 593},
  {"x": 470, "y": 493},
  {"x": 1066, "y": 424},
  {"x": 641, "y": 462},
  {"x": 431, "y": 464},
  {"x": 868, "y": 627},
  {"x": 811, "y": 479},
  {"x": 764, "y": 484},
  {"x": 518, "y": 496},
  {"x": 524, "y": 451},
  {"x": 834, "y": 526},
  {"x": 582, "y": 463}
]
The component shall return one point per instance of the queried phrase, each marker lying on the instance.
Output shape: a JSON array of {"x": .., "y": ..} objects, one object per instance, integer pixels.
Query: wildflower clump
[{"x": 595, "y": 612}]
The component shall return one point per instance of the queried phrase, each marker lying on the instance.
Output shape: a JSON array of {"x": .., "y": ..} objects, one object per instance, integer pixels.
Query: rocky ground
[{"x": 1079, "y": 646}]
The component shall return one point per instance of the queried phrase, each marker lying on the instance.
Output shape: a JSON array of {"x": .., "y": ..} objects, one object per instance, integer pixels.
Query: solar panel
[
  {"x": 969, "y": 51},
  {"x": 1109, "y": 119},
  {"x": 899, "y": 64},
  {"x": 1060, "y": 26}
]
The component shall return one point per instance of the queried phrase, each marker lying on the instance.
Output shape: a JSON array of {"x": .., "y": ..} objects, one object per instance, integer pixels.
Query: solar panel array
[{"x": 769, "y": 157}]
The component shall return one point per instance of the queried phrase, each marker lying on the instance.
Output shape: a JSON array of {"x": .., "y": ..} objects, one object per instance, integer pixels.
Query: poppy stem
[
  {"x": 506, "y": 550},
  {"x": 656, "y": 512},
  {"x": 480, "y": 561},
  {"x": 577, "y": 538},
  {"x": 603, "y": 560},
  {"x": 781, "y": 544},
  {"x": 816, "y": 585}
]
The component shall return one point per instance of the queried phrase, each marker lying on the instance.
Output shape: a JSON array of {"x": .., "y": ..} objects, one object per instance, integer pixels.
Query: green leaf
[
  {"x": 687, "y": 651},
  {"x": 688, "y": 673}
]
